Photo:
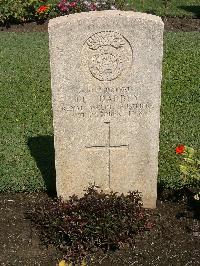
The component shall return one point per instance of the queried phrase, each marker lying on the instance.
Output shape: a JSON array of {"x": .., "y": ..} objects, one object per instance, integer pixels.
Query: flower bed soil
[
  {"x": 171, "y": 24},
  {"x": 175, "y": 239}
]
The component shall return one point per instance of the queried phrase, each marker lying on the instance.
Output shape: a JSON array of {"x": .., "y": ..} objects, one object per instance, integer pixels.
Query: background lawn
[
  {"x": 180, "y": 110},
  {"x": 172, "y": 8},
  {"x": 27, "y": 160}
]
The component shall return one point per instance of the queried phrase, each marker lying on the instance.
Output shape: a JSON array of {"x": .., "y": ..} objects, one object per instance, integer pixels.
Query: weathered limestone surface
[{"x": 106, "y": 78}]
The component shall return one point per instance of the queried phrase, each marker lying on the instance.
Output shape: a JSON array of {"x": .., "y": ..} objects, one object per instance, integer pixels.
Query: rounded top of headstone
[{"x": 60, "y": 21}]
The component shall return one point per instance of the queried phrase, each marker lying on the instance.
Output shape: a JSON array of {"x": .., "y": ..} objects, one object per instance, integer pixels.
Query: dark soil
[
  {"x": 171, "y": 24},
  {"x": 175, "y": 239},
  {"x": 181, "y": 24}
]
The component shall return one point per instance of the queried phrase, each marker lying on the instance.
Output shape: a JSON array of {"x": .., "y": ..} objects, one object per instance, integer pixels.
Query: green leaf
[
  {"x": 183, "y": 169},
  {"x": 190, "y": 152},
  {"x": 189, "y": 160}
]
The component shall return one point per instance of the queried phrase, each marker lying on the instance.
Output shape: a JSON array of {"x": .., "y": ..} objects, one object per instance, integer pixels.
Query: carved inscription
[
  {"x": 107, "y": 55},
  {"x": 107, "y": 102}
]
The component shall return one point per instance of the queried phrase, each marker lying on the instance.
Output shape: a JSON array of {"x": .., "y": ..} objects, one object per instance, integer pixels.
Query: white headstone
[{"x": 106, "y": 78}]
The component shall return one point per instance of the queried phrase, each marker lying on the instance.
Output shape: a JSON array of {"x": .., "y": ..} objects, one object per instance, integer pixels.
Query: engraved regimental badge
[{"x": 107, "y": 55}]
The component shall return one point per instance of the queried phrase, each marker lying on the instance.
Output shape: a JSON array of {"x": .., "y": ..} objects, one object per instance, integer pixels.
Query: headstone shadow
[
  {"x": 193, "y": 9},
  {"x": 42, "y": 150}
]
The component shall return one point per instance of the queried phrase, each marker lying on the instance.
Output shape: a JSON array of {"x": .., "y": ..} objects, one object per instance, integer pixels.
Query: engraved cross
[{"x": 109, "y": 147}]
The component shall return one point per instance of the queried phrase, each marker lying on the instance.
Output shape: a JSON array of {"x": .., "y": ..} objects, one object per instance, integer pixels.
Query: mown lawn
[
  {"x": 180, "y": 111},
  {"x": 172, "y": 8},
  {"x": 26, "y": 115}
]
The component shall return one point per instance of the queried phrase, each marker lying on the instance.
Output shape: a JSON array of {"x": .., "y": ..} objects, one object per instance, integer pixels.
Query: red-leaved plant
[{"x": 97, "y": 220}]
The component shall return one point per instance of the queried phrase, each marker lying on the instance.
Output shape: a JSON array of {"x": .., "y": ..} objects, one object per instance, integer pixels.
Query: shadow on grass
[
  {"x": 193, "y": 9},
  {"x": 42, "y": 150}
]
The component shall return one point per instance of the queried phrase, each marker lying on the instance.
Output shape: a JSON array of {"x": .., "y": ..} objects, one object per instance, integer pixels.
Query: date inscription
[{"x": 107, "y": 102}]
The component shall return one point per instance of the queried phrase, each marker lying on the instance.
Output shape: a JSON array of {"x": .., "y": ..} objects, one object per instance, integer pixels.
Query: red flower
[
  {"x": 180, "y": 149},
  {"x": 72, "y": 4},
  {"x": 42, "y": 9}
]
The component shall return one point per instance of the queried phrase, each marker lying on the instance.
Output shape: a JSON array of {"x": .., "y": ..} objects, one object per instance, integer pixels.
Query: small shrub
[
  {"x": 97, "y": 220},
  {"x": 189, "y": 167},
  {"x": 20, "y": 11},
  {"x": 13, "y": 11}
]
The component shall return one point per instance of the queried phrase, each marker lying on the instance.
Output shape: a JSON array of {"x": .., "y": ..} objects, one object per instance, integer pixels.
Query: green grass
[
  {"x": 173, "y": 8},
  {"x": 180, "y": 110},
  {"x": 26, "y": 106},
  {"x": 26, "y": 116}
]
